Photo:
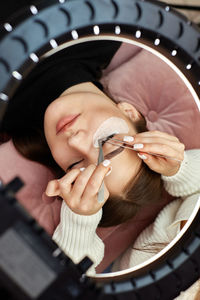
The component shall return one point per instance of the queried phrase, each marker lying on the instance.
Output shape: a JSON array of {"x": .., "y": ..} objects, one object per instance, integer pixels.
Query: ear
[{"x": 130, "y": 111}]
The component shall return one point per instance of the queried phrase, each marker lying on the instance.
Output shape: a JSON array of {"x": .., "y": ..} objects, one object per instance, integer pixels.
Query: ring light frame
[{"x": 48, "y": 25}]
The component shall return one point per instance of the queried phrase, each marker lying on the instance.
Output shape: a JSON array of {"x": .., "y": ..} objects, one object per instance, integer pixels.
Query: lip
[{"x": 66, "y": 122}]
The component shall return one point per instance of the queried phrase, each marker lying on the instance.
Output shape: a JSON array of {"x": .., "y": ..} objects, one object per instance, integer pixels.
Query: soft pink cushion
[
  {"x": 158, "y": 93},
  {"x": 35, "y": 177}
]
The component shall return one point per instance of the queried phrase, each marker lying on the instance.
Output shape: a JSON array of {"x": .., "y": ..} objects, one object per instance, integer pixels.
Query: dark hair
[
  {"x": 34, "y": 147},
  {"x": 146, "y": 187}
]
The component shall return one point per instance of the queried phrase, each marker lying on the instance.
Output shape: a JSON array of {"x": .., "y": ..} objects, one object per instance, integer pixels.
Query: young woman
[
  {"x": 57, "y": 116},
  {"x": 127, "y": 188}
]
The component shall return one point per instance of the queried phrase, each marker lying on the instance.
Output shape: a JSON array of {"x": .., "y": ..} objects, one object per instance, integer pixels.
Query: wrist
[
  {"x": 179, "y": 173},
  {"x": 172, "y": 172}
]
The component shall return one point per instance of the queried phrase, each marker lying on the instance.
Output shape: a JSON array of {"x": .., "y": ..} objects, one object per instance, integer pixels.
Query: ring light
[{"x": 32, "y": 35}]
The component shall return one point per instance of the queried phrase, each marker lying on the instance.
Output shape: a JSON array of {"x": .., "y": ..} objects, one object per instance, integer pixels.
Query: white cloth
[{"x": 77, "y": 237}]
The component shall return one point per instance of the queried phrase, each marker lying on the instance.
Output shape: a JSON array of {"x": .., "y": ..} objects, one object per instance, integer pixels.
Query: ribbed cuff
[
  {"x": 186, "y": 180},
  {"x": 76, "y": 235}
]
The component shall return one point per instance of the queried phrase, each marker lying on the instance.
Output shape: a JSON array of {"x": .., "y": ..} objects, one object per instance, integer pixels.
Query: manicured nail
[
  {"x": 138, "y": 146},
  {"x": 128, "y": 138},
  {"x": 110, "y": 170},
  {"x": 106, "y": 162},
  {"x": 142, "y": 156},
  {"x": 82, "y": 169}
]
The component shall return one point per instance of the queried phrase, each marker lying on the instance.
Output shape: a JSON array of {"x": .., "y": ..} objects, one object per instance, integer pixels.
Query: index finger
[
  {"x": 156, "y": 133},
  {"x": 96, "y": 180}
]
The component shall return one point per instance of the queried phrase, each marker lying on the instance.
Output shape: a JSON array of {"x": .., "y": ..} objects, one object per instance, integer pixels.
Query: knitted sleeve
[
  {"x": 187, "y": 180},
  {"x": 76, "y": 236}
]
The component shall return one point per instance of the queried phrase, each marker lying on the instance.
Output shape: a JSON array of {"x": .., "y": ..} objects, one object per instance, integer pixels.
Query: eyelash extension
[
  {"x": 107, "y": 138},
  {"x": 103, "y": 142}
]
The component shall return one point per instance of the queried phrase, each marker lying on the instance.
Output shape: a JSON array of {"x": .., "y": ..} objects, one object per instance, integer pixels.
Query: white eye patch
[{"x": 113, "y": 125}]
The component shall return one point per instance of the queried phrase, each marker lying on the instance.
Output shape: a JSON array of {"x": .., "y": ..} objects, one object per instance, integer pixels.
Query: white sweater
[{"x": 76, "y": 234}]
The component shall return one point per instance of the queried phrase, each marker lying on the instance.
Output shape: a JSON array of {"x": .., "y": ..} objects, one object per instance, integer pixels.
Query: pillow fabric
[
  {"x": 35, "y": 176},
  {"x": 158, "y": 93}
]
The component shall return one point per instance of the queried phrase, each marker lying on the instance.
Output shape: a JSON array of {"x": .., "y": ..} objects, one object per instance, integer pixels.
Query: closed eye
[{"x": 74, "y": 164}]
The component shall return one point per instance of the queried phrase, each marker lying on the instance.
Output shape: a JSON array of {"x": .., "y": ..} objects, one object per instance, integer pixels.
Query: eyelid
[{"x": 75, "y": 163}]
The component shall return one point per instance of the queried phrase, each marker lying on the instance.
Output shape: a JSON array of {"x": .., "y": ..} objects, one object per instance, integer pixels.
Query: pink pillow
[
  {"x": 35, "y": 177},
  {"x": 158, "y": 93},
  {"x": 124, "y": 54}
]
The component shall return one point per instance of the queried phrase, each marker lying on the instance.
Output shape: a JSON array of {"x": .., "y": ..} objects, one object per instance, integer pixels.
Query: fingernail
[
  {"x": 128, "y": 138},
  {"x": 110, "y": 170},
  {"x": 142, "y": 156},
  {"x": 138, "y": 146},
  {"x": 82, "y": 169},
  {"x": 106, "y": 162}
]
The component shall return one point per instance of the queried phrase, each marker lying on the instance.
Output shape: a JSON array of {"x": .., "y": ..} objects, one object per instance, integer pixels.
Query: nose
[{"x": 82, "y": 144}]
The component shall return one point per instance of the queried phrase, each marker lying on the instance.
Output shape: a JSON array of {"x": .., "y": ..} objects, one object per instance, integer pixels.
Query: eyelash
[
  {"x": 72, "y": 165},
  {"x": 103, "y": 142}
]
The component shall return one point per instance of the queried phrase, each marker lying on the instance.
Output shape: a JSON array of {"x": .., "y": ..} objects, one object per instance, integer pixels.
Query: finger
[
  {"x": 65, "y": 183},
  {"x": 151, "y": 137},
  {"x": 124, "y": 138},
  {"x": 160, "y": 165},
  {"x": 154, "y": 161},
  {"x": 160, "y": 140},
  {"x": 82, "y": 180},
  {"x": 96, "y": 179},
  {"x": 156, "y": 133},
  {"x": 52, "y": 188},
  {"x": 160, "y": 149}
]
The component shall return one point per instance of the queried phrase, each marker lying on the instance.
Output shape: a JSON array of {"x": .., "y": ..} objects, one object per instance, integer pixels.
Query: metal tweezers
[
  {"x": 100, "y": 160},
  {"x": 122, "y": 144}
]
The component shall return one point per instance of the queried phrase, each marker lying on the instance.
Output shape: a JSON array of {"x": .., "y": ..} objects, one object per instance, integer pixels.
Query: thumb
[{"x": 53, "y": 188}]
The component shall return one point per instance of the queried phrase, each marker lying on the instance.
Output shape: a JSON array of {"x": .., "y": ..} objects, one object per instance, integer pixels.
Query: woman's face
[{"x": 73, "y": 145}]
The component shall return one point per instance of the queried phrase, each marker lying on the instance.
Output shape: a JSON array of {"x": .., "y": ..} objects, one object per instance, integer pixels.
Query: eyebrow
[{"x": 114, "y": 153}]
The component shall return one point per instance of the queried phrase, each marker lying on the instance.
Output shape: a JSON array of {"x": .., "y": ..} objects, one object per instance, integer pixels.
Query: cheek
[
  {"x": 47, "y": 125},
  {"x": 59, "y": 156},
  {"x": 117, "y": 179},
  {"x": 124, "y": 169},
  {"x": 52, "y": 114}
]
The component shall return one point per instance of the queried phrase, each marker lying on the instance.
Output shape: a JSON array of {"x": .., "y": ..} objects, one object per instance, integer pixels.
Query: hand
[
  {"x": 79, "y": 189},
  {"x": 160, "y": 143}
]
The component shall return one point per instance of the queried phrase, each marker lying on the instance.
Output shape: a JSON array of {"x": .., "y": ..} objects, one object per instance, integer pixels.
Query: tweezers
[
  {"x": 130, "y": 147},
  {"x": 100, "y": 160}
]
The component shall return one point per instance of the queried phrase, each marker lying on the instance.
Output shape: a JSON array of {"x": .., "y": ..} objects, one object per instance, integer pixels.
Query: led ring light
[{"x": 27, "y": 38}]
